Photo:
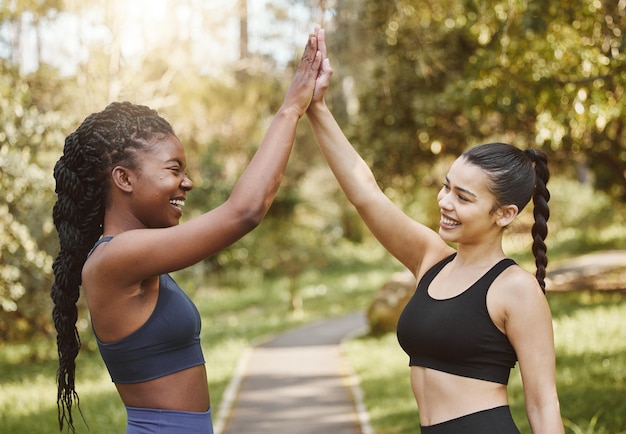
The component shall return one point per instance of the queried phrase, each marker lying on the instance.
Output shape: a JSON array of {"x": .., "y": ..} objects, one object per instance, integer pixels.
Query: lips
[
  {"x": 178, "y": 203},
  {"x": 449, "y": 222}
]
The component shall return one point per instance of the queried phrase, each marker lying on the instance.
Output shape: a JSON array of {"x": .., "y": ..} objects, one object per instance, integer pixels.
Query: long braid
[
  {"x": 513, "y": 180},
  {"x": 541, "y": 212},
  {"x": 102, "y": 141}
]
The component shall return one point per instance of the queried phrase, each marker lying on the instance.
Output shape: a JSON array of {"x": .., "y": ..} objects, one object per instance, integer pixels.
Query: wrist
[
  {"x": 317, "y": 107},
  {"x": 289, "y": 111}
]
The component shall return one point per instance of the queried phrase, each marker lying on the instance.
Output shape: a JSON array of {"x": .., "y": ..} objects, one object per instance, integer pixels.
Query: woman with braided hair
[
  {"x": 121, "y": 186},
  {"x": 475, "y": 313}
]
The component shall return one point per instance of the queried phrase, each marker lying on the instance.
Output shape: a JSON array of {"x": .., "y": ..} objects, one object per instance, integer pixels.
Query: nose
[
  {"x": 443, "y": 199},
  {"x": 187, "y": 184}
]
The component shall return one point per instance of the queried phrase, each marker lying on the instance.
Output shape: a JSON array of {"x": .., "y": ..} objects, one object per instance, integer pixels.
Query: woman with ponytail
[
  {"x": 121, "y": 186},
  {"x": 475, "y": 313}
]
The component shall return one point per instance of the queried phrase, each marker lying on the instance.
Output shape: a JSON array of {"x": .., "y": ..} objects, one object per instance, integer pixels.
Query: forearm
[
  {"x": 546, "y": 419},
  {"x": 256, "y": 188},
  {"x": 353, "y": 174}
]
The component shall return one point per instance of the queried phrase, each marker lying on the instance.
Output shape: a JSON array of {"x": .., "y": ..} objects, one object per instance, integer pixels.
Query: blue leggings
[
  {"x": 155, "y": 421},
  {"x": 493, "y": 421}
]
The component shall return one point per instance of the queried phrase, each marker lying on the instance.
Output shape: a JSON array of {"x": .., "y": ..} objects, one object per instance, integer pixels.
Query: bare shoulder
[
  {"x": 92, "y": 266},
  {"x": 516, "y": 284},
  {"x": 112, "y": 263},
  {"x": 516, "y": 294},
  {"x": 102, "y": 270}
]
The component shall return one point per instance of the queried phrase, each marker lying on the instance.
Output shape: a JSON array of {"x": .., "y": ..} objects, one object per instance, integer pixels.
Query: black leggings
[{"x": 493, "y": 421}]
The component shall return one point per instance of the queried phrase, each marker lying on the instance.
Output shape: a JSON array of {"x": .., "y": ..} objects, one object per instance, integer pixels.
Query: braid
[
  {"x": 541, "y": 212},
  {"x": 102, "y": 141},
  {"x": 513, "y": 180}
]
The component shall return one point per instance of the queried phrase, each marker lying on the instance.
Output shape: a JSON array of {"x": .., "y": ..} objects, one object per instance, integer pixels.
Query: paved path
[{"x": 297, "y": 383}]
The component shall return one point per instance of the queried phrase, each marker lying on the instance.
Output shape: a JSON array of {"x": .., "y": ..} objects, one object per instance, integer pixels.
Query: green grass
[
  {"x": 590, "y": 336},
  {"x": 590, "y": 341}
]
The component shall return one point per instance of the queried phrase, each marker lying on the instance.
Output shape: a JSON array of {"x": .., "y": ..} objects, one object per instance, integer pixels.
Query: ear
[
  {"x": 121, "y": 178},
  {"x": 506, "y": 214}
]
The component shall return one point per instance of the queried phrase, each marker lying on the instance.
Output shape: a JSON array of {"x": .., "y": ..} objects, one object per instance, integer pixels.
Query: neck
[
  {"x": 118, "y": 221},
  {"x": 479, "y": 255}
]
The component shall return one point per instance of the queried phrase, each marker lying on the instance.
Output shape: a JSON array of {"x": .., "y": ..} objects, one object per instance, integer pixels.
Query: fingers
[
  {"x": 312, "y": 57},
  {"x": 317, "y": 61},
  {"x": 321, "y": 41},
  {"x": 306, "y": 85},
  {"x": 326, "y": 68},
  {"x": 310, "y": 50}
]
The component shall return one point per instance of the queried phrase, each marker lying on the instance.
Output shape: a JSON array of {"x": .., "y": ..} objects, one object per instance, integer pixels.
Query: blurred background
[{"x": 415, "y": 84}]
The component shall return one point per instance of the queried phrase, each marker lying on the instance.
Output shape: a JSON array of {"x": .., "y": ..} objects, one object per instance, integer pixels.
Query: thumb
[{"x": 326, "y": 65}]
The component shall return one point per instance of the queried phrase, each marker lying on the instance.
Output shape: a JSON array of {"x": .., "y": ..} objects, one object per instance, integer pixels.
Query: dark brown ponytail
[{"x": 514, "y": 180}]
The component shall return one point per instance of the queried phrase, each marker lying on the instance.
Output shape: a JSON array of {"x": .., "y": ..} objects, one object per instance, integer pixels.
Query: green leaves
[{"x": 450, "y": 74}]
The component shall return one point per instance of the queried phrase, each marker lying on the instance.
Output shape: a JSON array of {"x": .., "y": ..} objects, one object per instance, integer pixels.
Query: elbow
[
  {"x": 248, "y": 216},
  {"x": 248, "y": 205},
  {"x": 546, "y": 418},
  {"x": 252, "y": 219},
  {"x": 360, "y": 203},
  {"x": 368, "y": 194}
]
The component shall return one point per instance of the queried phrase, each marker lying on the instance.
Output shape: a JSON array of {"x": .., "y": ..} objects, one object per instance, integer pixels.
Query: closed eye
[
  {"x": 178, "y": 171},
  {"x": 445, "y": 186}
]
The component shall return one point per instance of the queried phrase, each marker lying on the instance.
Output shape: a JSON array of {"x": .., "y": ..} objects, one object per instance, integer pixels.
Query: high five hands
[
  {"x": 325, "y": 70},
  {"x": 300, "y": 92},
  {"x": 312, "y": 77}
]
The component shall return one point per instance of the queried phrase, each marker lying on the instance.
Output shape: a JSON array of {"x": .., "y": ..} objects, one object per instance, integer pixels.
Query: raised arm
[
  {"x": 257, "y": 187},
  {"x": 248, "y": 203},
  {"x": 412, "y": 243}
]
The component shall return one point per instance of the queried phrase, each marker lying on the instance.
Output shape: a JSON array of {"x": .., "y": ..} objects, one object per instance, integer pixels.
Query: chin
[
  {"x": 446, "y": 236},
  {"x": 165, "y": 225}
]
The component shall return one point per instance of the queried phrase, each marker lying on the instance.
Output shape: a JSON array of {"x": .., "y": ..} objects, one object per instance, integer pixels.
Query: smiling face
[
  {"x": 160, "y": 183},
  {"x": 467, "y": 205}
]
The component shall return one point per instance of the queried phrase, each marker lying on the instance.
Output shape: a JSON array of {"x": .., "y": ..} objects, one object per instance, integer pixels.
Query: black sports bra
[{"x": 456, "y": 335}]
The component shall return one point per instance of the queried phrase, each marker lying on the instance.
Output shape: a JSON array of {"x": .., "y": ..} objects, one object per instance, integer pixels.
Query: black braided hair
[
  {"x": 541, "y": 211},
  {"x": 104, "y": 140},
  {"x": 514, "y": 180}
]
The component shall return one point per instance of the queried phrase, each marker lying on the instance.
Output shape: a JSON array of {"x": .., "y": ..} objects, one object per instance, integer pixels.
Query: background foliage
[
  {"x": 415, "y": 83},
  {"x": 445, "y": 74}
]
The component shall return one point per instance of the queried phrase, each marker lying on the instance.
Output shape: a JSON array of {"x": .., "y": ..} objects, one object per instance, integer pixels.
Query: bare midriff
[
  {"x": 185, "y": 390},
  {"x": 441, "y": 396}
]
